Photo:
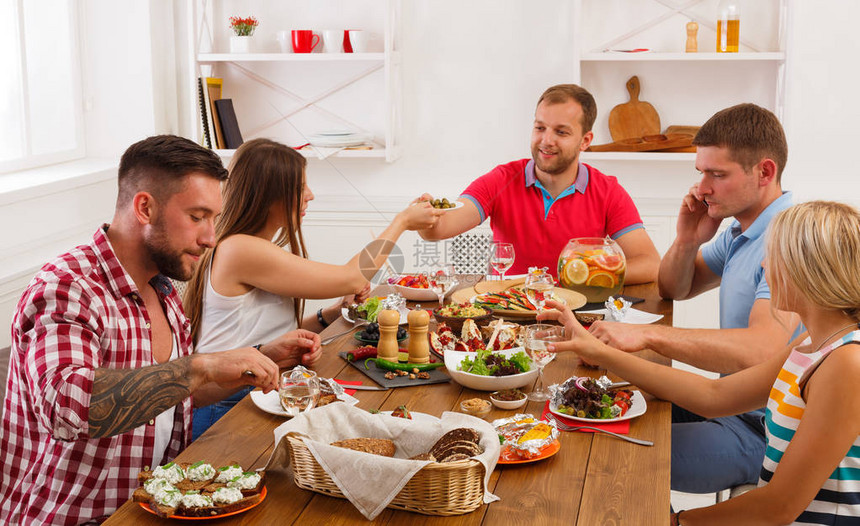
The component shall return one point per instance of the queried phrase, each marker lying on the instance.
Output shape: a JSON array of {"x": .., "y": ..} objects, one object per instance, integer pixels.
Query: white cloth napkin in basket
[{"x": 370, "y": 482}]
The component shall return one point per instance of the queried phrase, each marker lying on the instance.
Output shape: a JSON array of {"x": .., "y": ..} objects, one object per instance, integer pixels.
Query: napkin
[
  {"x": 622, "y": 427},
  {"x": 350, "y": 392},
  {"x": 370, "y": 482}
]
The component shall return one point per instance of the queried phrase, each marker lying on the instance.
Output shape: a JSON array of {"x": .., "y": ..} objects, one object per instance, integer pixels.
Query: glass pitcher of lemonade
[{"x": 592, "y": 266}]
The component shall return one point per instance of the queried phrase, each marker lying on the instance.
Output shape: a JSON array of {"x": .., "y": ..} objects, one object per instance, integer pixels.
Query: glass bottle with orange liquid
[
  {"x": 594, "y": 267},
  {"x": 728, "y": 26}
]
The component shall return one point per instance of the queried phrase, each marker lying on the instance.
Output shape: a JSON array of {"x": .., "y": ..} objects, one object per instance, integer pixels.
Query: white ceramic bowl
[
  {"x": 487, "y": 383},
  {"x": 509, "y": 404},
  {"x": 413, "y": 294}
]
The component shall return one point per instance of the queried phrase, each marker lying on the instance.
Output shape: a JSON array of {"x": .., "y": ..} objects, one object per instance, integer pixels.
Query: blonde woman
[
  {"x": 810, "y": 471},
  {"x": 253, "y": 283}
]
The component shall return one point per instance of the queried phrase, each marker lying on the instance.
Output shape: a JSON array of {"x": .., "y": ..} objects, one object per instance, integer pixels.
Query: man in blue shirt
[{"x": 741, "y": 153}]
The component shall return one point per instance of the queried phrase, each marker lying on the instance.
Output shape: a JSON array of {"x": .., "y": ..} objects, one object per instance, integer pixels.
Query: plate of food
[
  {"x": 508, "y": 298},
  {"x": 414, "y": 287},
  {"x": 368, "y": 310},
  {"x": 584, "y": 400},
  {"x": 271, "y": 403},
  {"x": 445, "y": 204},
  {"x": 526, "y": 439},
  {"x": 199, "y": 491},
  {"x": 370, "y": 334}
]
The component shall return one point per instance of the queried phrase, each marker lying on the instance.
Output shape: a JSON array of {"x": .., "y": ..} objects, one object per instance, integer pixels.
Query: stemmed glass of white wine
[
  {"x": 539, "y": 285},
  {"x": 442, "y": 280},
  {"x": 538, "y": 336},
  {"x": 501, "y": 257}
]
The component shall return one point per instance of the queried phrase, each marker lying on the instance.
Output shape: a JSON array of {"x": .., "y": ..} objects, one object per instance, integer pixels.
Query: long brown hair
[{"x": 262, "y": 172}]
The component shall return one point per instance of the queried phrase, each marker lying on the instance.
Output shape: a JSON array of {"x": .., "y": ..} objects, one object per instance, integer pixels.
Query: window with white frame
[{"x": 41, "y": 118}]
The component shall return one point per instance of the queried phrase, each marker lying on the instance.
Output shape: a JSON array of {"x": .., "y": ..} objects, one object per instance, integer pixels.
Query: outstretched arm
[
  {"x": 123, "y": 399},
  {"x": 724, "y": 351},
  {"x": 454, "y": 222}
]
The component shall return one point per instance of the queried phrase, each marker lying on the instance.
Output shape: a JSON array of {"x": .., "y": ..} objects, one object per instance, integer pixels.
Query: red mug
[
  {"x": 304, "y": 40},
  {"x": 347, "y": 45}
]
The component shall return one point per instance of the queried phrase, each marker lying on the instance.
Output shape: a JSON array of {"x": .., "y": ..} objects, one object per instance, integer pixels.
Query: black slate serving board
[{"x": 437, "y": 376}]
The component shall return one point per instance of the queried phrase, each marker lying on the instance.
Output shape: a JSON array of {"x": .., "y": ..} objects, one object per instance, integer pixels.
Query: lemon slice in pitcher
[{"x": 575, "y": 271}]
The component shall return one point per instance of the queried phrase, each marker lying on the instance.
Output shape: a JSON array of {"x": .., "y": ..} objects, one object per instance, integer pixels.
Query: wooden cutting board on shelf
[
  {"x": 648, "y": 143},
  {"x": 635, "y": 118}
]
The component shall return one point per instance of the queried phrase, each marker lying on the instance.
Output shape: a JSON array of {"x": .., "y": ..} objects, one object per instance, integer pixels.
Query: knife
[{"x": 364, "y": 387}]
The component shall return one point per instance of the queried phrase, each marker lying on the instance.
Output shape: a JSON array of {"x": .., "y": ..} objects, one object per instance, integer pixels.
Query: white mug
[
  {"x": 333, "y": 41},
  {"x": 358, "y": 40},
  {"x": 284, "y": 41}
]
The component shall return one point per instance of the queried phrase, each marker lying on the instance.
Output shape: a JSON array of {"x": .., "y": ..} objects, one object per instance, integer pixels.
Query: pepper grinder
[
  {"x": 419, "y": 346},
  {"x": 692, "y": 43},
  {"x": 387, "y": 347}
]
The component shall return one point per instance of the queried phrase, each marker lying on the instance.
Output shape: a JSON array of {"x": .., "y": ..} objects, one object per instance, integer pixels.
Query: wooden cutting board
[
  {"x": 647, "y": 143},
  {"x": 634, "y": 118}
]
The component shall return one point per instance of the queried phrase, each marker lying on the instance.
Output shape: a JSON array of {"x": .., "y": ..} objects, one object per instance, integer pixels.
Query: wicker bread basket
[{"x": 451, "y": 488}]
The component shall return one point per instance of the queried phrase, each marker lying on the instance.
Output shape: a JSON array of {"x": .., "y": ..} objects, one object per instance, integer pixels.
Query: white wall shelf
[
  {"x": 289, "y": 96},
  {"x": 639, "y": 156},
  {"x": 684, "y": 57},
  {"x": 293, "y": 57}
]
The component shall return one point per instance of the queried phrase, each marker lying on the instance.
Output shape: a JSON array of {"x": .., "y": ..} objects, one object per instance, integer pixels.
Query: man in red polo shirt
[{"x": 539, "y": 204}]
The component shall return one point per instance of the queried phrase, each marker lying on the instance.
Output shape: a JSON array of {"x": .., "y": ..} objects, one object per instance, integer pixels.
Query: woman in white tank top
[{"x": 252, "y": 285}]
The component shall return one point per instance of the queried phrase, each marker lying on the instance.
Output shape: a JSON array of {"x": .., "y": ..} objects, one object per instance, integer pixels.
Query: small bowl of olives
[
  {"x": 444, "y": 204},
  {"x": 370, "y": 334}
]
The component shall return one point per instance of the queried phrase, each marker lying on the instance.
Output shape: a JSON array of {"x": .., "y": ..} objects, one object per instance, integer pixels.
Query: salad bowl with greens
[{"x": 491, "y": 371}]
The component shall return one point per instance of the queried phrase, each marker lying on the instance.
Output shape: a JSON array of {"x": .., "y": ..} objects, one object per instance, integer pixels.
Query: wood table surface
[{"x": 594, "y": 479}]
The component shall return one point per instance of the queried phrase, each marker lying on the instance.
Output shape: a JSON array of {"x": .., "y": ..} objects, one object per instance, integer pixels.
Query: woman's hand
[
  {"x": 293, "y": 348},
  {"x": 420, "y": 215},
  {"x": 581, "y": 342}
]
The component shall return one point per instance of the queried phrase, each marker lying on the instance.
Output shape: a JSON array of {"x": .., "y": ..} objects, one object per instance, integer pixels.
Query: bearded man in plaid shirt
[{"x": 101, "y": 372}]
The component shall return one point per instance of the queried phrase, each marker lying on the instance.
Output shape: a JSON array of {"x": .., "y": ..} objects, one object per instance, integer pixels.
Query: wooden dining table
[{"x": 594, "y": 479}]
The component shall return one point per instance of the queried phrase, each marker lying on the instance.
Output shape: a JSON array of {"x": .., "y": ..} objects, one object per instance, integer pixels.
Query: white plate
[
  {"x": 632, "y": 316},
  {"x": 637, "y": 408},
  {"x": 457, "y": 204},
  {"x": 330, "y": 133},
  {"x": 270, "y": 402},
  {"x": 339, "y": 141},
  {"x": 487, "y": 383},
  {"x": 403, "y": 314},
  {"x": 416, "y": 417}
]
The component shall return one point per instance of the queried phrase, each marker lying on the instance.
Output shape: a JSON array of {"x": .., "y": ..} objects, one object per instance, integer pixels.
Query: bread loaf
[{"x": 375, "y": 446}]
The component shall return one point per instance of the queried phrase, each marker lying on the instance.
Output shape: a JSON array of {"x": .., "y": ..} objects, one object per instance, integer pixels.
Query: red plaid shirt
[{"x": 79, "y": 313}]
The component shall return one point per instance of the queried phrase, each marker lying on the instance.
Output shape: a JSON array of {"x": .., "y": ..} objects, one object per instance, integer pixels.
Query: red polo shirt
[{"x": 522, "y": 212}]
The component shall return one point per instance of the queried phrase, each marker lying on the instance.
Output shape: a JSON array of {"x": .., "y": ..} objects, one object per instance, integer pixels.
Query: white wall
[{"x": 472, "y": 72}]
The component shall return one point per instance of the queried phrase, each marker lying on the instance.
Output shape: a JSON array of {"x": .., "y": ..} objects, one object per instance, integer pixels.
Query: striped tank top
[{"x": 838, "y": 500}]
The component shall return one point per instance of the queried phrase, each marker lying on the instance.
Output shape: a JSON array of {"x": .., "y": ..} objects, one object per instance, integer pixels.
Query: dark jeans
[
  {"x": 710, "y": 455},
  {"x": 204, "y": 417}
]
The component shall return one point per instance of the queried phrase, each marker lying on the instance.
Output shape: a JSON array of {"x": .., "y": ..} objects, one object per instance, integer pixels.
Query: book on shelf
[
  {"x": 205, "y": 112},
  {"x": 213, "y": 86},
  {"x": 229, "y": 123}
]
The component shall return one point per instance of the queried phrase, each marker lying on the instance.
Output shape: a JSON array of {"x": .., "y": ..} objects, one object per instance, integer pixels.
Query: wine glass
[
  {"x": 299, "y": 390},
  {"x": 539, "y": 285},
  {"x": 537, "y": 338},
  {"x": 442, "y": 280},
  {"x": 501, "y": 257}
]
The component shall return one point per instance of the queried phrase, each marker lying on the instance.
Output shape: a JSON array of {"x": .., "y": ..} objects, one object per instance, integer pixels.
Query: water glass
[
  {"x": 298, "y": 391},
  {"x": 539, "y": 285},
  {"x": 442, "y": 280},
  {"x": 501, "y": 257},
  {"x": 538, "y": 337}
]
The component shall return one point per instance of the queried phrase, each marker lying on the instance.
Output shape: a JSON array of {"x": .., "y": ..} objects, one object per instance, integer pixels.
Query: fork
[
  {"x": 356, "y": 324},
  {"x": 565, "y": 427}
]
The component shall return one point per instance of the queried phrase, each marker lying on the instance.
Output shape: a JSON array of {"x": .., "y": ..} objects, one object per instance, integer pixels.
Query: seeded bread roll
[{"x": 375, "y": 446}]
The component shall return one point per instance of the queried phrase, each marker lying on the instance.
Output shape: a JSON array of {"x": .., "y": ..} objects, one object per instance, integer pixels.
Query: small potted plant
[{"x": 243, "y": 29}]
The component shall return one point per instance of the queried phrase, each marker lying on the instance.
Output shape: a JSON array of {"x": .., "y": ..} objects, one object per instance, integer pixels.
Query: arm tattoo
[{"x": 123, "y": 399}]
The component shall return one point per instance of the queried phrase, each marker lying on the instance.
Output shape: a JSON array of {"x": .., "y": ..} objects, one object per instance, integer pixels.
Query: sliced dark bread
[
  {"x": 423, "y": 456},
  {"x": 141, "y": 495},
  {"x": 219, "y": 509},
  {"x": 455, "y": 435},
  {"x": 455, "y": 457},
  {"x": 461, "y": 446}
]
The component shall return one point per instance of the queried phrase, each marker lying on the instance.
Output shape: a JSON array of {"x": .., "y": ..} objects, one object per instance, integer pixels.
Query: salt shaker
[
  {"x": 387, "y": 347},
  {"x": 692, "y": 42},
  {"x": 419, "y": 346}
]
